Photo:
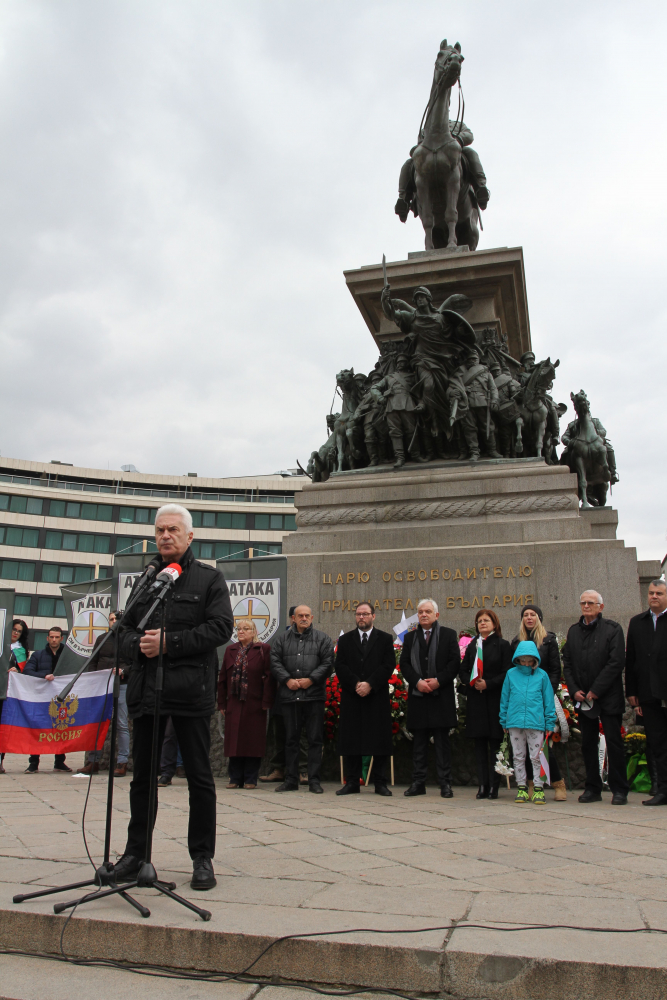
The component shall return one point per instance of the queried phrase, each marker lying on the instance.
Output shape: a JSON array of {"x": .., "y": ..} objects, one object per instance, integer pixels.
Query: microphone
[{"x": 167, "y": 577}]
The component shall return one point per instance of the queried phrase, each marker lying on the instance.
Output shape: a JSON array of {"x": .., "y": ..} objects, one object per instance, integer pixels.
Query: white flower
[{"x": 391, "y": 689}]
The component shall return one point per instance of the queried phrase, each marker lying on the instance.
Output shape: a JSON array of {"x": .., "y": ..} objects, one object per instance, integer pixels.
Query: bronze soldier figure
[
  {"x": 401, "y": 412},
  {"x": 482, "y": 394}
]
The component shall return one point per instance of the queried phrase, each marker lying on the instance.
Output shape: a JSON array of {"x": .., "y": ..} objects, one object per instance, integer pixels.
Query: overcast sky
[{"x": 183, "y": 183}]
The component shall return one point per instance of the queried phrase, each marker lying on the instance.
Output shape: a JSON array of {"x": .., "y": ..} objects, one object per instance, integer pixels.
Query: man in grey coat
[{"x": 301, "y": 661}]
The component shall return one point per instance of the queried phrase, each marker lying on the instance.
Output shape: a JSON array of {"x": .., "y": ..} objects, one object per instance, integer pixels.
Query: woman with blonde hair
[
  {"x": 532, "y": 630},
  {"x": 246, "y": 690}
]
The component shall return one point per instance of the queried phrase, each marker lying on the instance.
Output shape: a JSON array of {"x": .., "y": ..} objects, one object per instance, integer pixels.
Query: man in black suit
[
  {"x": 646, "y": 679},
  {"x": 430, "y": 662},
  {"x": 364, "y": 663}
]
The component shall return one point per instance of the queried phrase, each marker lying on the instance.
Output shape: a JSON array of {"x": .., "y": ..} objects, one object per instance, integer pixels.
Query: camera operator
[{"x": 198, "y": 620}]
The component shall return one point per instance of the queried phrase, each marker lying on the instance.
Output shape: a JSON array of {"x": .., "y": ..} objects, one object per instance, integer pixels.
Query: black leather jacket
[
  {"x": 199, "y": 619},
  {"x": 593, "y": 660},
  {"x": 297, "y": 654}
]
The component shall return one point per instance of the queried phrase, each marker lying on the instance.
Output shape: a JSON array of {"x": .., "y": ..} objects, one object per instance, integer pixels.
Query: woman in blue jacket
[{"x": 527, "y": 711}]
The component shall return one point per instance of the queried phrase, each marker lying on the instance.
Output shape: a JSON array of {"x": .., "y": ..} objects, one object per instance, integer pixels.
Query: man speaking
[{"x": 198, "y": 619}]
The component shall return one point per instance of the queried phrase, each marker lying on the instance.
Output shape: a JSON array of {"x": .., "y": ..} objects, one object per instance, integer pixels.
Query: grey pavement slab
[{"x": 304, "y": 864}]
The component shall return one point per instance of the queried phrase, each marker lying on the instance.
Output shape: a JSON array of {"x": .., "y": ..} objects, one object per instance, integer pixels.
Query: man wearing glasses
[
  {"x": 364, "y": 663},
  {"x": 593, "y": 659}
]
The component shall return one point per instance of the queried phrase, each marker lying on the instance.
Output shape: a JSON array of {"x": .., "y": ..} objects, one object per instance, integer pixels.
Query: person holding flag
[
  {"x": 527, "y": 711},
  {"x": 485, "y": 663}
]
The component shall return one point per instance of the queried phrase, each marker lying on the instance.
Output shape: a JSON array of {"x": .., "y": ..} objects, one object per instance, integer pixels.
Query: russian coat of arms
[{"x": 62, "y": 713}]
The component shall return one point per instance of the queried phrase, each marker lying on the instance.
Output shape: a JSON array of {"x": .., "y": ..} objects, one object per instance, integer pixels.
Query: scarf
[
  {"x": 240, "y": 673},
  {"x": 432, "y": 651}
]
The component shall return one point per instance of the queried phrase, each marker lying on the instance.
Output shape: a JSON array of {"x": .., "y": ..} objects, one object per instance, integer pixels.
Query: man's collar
[
  {"x": 184, "y": 560},
  {"x": 658, "y": 613},
  {"x": 585, "y": 624}
]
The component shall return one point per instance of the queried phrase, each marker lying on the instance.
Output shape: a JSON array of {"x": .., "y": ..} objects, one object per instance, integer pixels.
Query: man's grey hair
[
  {"x": 599, "y": 596},
  {"x": 428, "y": 600},
  {"x": 658, "y": 583},
  {"x": 175, "y": 510}
]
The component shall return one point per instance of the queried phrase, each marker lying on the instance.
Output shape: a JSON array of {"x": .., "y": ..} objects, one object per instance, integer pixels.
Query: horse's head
[
  {"x": 580, "y": 403},
  {"x": 448, "y": 64},
  {"x": 345, "y": 379}
]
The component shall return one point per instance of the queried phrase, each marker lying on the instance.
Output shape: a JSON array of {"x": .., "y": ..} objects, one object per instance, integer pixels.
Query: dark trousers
[
  {"x": 194, "y": 739},
  {"x": 276, "y": 738},
  {"x": 352, "y": 765},
  {"x": 487, "y": 776},
  {"x": 34, "y": 759},
  {"x": 244, "y": 770},
  {"x": 170, "y": 748},
  {"x": 443, "y": 756},
  {"x": 590, "y": 741},
  {"x": 307, "y": 716},
  {"x": 654, "y": 718}
]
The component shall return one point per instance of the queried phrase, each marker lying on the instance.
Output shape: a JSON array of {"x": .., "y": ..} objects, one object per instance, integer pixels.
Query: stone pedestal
[
  {"x": 494, "y": 279},
  {"x": 498, "y": 534}
]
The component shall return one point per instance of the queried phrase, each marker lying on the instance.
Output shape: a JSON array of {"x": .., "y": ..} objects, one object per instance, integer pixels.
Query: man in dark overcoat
[
  {"x": 593, "y": 658},
  {"x": 646, "y": 679},
  {"x": 365, "y": 661},
  {"x": 430, "y": 662}
]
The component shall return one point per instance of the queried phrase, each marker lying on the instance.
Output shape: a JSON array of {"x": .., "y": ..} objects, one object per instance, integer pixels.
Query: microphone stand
[{"x": 104, "y": 874}]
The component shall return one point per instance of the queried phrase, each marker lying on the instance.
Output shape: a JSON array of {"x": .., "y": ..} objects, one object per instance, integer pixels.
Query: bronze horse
[
  {"x": 447, "y": 211},
  {"x": 586, "y": 455},
  {"x": 535, "y": 411},
  {"x": 346, "y": 433}
]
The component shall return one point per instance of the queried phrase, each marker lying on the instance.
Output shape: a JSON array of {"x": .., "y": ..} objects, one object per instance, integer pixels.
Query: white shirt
[
  {"x": 362, "y": 634},
  {"x": 655, "y": 618}
]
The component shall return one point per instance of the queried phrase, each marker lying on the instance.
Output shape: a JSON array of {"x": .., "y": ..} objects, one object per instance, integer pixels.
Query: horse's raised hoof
[{"x": 518, "y": 448}]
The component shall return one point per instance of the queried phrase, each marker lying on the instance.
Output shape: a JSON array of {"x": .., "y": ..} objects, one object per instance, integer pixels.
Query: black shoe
[
  {"x": 202, "y": 874},
  {"x": 415, "y": 789},
  {"x": 180, "y": 772},
  {"x": 315, "y": 788},
  {"x": 62, "y": 767},
  {"x": 287, "y": 786},
  {"x": 446, "y": 791},
  {"x": 619, "y": 799},
  {"x": 31, "y": 769},
  {"x": 482, "y": 792},
  {"x": 383, "y": 790},
  {"x": 493, "y": 791},
  {"x": 349, "y": 788},
  {"x": 659, "y": 799},
  {"x": 589, "y": 796},
  {"x": 164, "y": 779},
  {"x": 126, "y": 868}
]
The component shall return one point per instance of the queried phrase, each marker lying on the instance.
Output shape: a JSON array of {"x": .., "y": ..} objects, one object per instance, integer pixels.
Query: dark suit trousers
[
  {"x": 654, "y": 718},
  {"x": 353, "y": 768},
  {"x": 194, "y": 739},
  {"x": 617, "y": 774},
  {"x": 443, "y": 756},
  {"x": 298, "y": 716}
]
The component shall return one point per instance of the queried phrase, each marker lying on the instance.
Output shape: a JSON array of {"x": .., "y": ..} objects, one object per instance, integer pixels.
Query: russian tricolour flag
[
  {"x": 404, "y": 626},
  {"x": 34, "y": 721}
]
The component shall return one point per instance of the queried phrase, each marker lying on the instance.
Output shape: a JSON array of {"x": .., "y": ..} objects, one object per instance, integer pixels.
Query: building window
[
  {"x": 219, "y": 519},
  {"x": 22, "y": 604},
  {"x": 87, "y": 511},
  {"x": 266, "y": 549},
  {"x": 74, "y": 543},
  {"x": 50, "y": 607},
  {"x": 52, "y": 573},
  {"x": 11, "y": 570},
  {"x": 275, "y": 522},
  {"x": 21, "y": 505},
  {"x": 25, "y": 537},
  {"x": 137, "y": 515},
  {"x": 132, "y": 546},
  {"x": 218, "y": 550}
]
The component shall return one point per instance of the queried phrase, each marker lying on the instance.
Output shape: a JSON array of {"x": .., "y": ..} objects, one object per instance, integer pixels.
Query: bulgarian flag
[
  {"x": 478, "y": 665},
  {"x": 34, "y": 721},
  {"x": 545, "y": 771}
]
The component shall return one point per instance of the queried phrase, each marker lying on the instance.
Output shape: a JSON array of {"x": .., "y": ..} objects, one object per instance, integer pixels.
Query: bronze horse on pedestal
[{"x": 586, "y": 454}]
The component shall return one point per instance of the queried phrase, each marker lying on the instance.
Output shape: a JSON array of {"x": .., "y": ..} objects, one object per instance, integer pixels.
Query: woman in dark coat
[
  {"x": 483, "y": 697},
  {"x": 547, "y": 645},
  {"x": 246, "y": 690}
]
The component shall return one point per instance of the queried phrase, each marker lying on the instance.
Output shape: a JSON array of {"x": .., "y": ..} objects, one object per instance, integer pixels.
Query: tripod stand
[{"x": 104, "y": 876}]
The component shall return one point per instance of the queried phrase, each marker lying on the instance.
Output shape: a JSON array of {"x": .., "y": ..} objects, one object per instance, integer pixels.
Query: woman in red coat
[{"x": 246, "y": 690}]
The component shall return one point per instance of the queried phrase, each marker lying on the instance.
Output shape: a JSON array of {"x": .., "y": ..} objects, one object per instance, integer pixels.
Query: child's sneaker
[
  {"x": 538, "y": 797},
  {"x": 522, "y": 794}
]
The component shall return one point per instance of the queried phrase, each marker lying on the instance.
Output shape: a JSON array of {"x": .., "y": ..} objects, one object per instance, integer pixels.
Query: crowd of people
[{"x": 510, "y": 688}]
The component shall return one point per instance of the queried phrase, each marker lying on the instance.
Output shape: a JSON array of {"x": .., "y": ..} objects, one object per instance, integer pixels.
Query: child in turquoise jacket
[{"x": 527, "y": 711}]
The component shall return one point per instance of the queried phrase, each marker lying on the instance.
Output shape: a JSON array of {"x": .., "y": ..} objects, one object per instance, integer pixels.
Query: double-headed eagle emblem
[{"x": 62, "y": 713}]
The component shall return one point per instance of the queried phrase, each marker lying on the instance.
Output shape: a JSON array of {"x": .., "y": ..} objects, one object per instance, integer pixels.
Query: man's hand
[
  {"x": 305, "y": 682},
  {"x": 222, "y": 712},
  {"x": 13, "y": 670},
  {"x": 480, "y": 684},
  {"x": 633, "y": 700},
  {"x": 149, "y": 644},
  {"x": 293, "y": 684},
  {"x": 433, "y": 683},
  {"x": 579, "y": 696},
  {"x": 590, "y": 696},
  {"x": 423, "y": 687},
  {"x": 49, "y": 677},
  {"x": 363, "y": 688}
]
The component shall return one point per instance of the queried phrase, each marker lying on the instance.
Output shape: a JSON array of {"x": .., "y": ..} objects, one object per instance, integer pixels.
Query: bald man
[{"x": 301, "y": 661}]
